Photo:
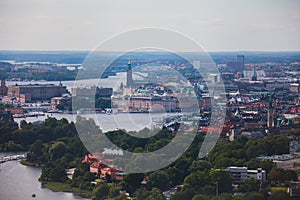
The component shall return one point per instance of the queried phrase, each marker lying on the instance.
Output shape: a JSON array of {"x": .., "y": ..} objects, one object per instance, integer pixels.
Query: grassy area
[
  {"x": 64, "y": 187},
  {"x": 282, "y": 188},
  {"x": 25, "y": 162}
]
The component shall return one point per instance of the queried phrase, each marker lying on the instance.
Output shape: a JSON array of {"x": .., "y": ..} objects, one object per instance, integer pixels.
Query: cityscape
[
  {"x": 262, "y": 113},
  {"x": 160, "y": 100}
]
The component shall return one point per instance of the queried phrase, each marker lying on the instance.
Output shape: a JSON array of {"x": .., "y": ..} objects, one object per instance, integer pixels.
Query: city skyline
[{"x": 216, "y": 25}]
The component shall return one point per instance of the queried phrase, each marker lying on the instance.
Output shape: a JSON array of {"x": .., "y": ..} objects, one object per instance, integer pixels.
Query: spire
[
  {"x": 129, "y": 65},
  {"x": 129, "y": 75}
]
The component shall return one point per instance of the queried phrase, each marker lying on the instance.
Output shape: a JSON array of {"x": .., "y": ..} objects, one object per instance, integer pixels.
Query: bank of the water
[{"x": 65, "y": 187}]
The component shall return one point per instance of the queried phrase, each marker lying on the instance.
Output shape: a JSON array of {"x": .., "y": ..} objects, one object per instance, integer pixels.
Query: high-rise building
[
  {"x": 129, "y": 82},
  {"x": 238, "y": 65},
  {"x": 240, "y": 59}
]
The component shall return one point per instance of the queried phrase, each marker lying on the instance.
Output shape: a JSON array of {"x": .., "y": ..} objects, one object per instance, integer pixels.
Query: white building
[
  {"x": 260, "y": 74},
  {"x": 241, "y": 173}
]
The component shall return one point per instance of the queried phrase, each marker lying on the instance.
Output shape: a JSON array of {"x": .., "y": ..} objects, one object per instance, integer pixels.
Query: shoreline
[
  {"x": 59, "y": 186},
  {"x": 66, "y": 187}
]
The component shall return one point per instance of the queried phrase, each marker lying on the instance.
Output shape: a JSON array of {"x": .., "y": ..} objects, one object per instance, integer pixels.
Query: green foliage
[
  {"x": 197, "y": 180},
  {"x": 223, "y": 178},
  {"x": 159, "y": 179},
  {"x": 54, "y": 173},
  {"x": 100, "y": 192},
  {"x": 279, "y": 195},
  {"x": 249, "y": 185},
  {"x": 200, "y": 197},
  {"x": 243, "y": 152},
  {"x": 155, "y": 194},
  {"x": 132, "y": 182},
  {"x": 57, "y": 150},
  {"x": 252, "y": 196},
  {"x": 199, "y": 165},
  {"x": 280, "y": 175}
]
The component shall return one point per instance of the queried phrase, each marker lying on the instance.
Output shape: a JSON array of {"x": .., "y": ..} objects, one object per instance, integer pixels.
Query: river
[{"x": 19, "y": 182}]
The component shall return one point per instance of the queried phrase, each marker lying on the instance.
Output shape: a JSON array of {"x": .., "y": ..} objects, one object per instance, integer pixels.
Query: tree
[
  {"x": 56, "y": 173},
  {"x": 176, "y": 175},
  {"x": 114, "y": 190},
  {"x": 186, "y": 194},
  {"x": 89, "y": 176},
  {"x": 36, "y": 147},
  {"x": 160, "y": 180},
  {"x": 276, "y": 175},
  {"x": 155, "y": 194},
  {"x": 199, "y": 165},
  {"x": 57, "y": 150},
  {"x": 132, "y": 182},
  {"x": 197, "y": 180},
  {"x": 200, "y": 197},
  {"x": 255, "y": 196},
  {"x": 249, "y": 185},
  {"x": 223, "y": 178},
  {"x": 100, "y": 192},
  {"x": 279, "y": 195},
  {"x": 223, "y": 196},
  {"x": 290, "y": 175}
]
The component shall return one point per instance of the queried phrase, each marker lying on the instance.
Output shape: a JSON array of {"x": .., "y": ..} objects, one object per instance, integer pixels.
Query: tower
[
  {"x": 129, "y": 82},
  {"x": 270, "y": 122}
]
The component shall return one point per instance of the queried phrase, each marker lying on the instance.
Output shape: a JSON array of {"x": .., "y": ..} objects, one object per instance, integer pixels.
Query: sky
[{"x": 217, "y": 25}]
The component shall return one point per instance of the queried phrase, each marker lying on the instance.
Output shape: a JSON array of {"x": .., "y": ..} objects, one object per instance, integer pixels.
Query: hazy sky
[{"x": 218, "y": 25}]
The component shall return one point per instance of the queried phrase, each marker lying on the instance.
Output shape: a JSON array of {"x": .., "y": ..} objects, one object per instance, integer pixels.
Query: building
[
  {"x": 61, "y": 103},
  {"x": 146, "y": 104},
  {"x": 36, "y": 92},
  {"x": 241, "y": 173},
  {"x": 238, "y": 65},
  {"x": 213, "y": 78},
  {"x": 294, "y": 87},
  {"x": 240, "y": 59},
  {"x": 3, "y": 88},
  {"x": 13, "y": 111},
  {"x": 249, "y": 74},
  {"x": 92, "y": 91},
  {"x": 101, "y": 165},
  {"x": 270, "y": 122},
  {"x": 129, "y": 82}
]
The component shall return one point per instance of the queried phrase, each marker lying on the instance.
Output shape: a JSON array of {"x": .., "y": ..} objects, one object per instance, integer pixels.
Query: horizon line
[{"x": 115, "y": 51}]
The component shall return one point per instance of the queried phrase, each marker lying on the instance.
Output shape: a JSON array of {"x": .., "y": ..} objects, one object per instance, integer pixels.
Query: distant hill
[{"x": 76, "y": 57}]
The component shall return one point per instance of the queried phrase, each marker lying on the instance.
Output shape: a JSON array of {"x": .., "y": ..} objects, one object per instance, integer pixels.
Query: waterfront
[
  {"x": 20, "y": 182},
  {"x": 127, "y": 121}
]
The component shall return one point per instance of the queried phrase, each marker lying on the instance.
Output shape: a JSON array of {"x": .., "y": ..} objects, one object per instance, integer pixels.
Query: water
[
  {"x": 19, "y": 182},
  {"x": 127, "y": 121},
  {"x": 113, "y": 81}
]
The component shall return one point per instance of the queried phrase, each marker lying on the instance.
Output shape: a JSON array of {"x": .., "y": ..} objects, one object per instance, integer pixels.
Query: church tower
[{"x": 129, "y": 82}]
